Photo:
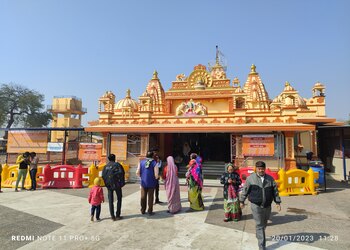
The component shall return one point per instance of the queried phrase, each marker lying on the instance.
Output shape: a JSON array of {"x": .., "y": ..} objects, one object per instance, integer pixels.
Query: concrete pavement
[{"x": 59, "y": 219}]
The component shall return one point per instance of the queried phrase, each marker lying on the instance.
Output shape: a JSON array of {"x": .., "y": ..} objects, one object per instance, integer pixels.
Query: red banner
[
  {"x": 258, "y": 145},
  {"x": 90, "y": 151}
]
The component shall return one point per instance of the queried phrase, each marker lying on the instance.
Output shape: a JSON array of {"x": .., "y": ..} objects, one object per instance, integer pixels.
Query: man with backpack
[{"x": 114, "y": 178}]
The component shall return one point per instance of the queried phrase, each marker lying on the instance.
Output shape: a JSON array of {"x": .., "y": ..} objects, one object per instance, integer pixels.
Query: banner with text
[
  {"x": 258, "y": 145},
  {"x": 55, "y": 147},
  {"x": 90, "y": 151},
  {"x": 119, "y": 144}
]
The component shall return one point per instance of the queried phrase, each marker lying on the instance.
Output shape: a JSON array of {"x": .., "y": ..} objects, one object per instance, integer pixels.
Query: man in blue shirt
[{"x": 148, "y": 171}]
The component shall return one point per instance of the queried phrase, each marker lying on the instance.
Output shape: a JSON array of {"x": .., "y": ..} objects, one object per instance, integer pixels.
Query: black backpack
[{"x": 113, "y": 175}]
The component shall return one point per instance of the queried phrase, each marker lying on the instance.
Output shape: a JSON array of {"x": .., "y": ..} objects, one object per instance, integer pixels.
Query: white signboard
[{"x": 55, "y": 147}]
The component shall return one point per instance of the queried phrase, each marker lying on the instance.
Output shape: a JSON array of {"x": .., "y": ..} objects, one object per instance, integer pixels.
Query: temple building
[{"x": 207, "y": 113}]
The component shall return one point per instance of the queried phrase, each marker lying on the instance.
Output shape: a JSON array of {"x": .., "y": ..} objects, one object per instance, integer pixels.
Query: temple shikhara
[{"x": 221, "y": 119}]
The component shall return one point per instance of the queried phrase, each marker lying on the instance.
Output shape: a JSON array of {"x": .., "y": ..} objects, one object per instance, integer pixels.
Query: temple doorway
[{"x": 210, "y": 146}]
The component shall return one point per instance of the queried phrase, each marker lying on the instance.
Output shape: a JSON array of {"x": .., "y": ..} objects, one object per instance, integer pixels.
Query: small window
[{"x": 134, "y": 144}]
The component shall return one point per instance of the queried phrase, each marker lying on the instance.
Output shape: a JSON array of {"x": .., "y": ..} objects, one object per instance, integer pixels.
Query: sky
[{"x": 83, "y": 48}]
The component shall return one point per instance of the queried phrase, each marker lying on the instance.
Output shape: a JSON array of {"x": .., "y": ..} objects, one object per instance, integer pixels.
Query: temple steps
[{"x": 211, "y": 170}]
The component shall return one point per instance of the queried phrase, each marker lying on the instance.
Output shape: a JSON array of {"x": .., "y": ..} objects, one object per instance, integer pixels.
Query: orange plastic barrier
[
  {"x": 63, "y": 176},
  {"x": 297, "y": 182}
]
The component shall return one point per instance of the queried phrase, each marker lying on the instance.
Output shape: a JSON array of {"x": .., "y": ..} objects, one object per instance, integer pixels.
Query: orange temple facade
[{"x": 217, "y": 118}]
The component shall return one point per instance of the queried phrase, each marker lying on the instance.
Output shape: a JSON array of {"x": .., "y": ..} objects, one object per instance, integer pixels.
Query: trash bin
[
  {"x": 304, "y": 167},
  {"x": 321, "y": 176}
]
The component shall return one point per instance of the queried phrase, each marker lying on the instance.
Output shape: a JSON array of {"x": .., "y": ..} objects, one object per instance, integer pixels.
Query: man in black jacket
[
  {"x": 261, "y": 190},
  {"x": 111, "y": 173}
]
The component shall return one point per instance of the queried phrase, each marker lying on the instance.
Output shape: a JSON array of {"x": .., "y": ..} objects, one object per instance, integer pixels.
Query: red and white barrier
[{"x": 63, "y": 176}]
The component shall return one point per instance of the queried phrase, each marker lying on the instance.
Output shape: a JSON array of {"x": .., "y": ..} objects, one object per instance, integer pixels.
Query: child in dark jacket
[
  {"x": 231, "y": 181},
  {"x": 96, "y": 198}
]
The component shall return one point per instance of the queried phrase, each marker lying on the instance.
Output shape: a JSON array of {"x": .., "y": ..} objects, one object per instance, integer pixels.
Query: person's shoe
[
  {"x": 151, "y": 213},
  {"x": 118, "y": 217},
  {"x": 226, "y": 219},
  {"x": 190, "y": 210},
  {"x": 98, "y": 219},
  {"x": 92, "y": 218},
  {"x": 168, "y": 211},
  {"x": 143, "y": 212},
  {"x": 16, "y": 190},
  {"x": 158, "y": 202},
  {"x": 1, "y": 191},
  {"x": 113, "y": 218}
]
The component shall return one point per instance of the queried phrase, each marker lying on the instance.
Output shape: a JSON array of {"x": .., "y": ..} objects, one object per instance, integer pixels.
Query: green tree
[{"x": 21, "y": 106}]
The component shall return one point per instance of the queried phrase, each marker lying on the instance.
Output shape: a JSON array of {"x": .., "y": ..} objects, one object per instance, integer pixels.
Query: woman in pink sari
[{"x": 172, "y": 186}]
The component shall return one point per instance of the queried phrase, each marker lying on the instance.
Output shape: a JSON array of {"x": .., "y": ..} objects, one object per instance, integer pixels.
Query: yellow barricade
[
  {"x": 96, "y": 171},
  {"x": 297, "y": 182},
  {"x": 10, "y": 174}
]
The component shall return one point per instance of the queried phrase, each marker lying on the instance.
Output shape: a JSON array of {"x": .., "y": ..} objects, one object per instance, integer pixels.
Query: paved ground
[{"x": 59, "y": 219}]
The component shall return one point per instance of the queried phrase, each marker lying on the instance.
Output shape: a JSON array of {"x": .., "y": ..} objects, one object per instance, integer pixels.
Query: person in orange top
[{"x": 96, "y": 198}]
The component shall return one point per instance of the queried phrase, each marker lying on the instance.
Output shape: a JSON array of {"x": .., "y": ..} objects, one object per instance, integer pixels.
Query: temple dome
[
  {"x": 289, "y": 97},
  {"x": 288, "y": 87},
  {"x": 127, "y": 102}
]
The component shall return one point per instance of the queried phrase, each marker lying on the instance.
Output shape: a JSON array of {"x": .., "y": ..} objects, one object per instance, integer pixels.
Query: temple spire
[
  {"x": 155, "y": 74},
  {"x": 253, "y": 70},
  {"x": 217, "y": 55}
]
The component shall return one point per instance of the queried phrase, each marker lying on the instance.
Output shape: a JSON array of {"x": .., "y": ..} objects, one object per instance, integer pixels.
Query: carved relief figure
[
  {"x": 107, "y": 100},
  {"x": 180, "y": 109},
  {"x": 181, "y": 77},
  {"x": 191, "y": 108},
  {"x": 200, "y": 109}
]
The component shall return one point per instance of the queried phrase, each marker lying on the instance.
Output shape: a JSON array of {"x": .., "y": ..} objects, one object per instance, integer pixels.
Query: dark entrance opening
[
  {"x": 210, "y": 146},
  {"x": 214, "y": 148}
]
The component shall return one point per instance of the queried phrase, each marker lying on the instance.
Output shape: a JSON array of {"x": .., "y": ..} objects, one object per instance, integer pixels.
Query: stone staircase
[{"x": 211, "y": 170}]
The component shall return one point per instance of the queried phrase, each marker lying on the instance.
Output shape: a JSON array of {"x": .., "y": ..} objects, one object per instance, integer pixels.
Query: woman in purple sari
[{"x": 172, "y": 186}]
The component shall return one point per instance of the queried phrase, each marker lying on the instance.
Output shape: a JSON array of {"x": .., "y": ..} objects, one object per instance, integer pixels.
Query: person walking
[
  {"x": 113, "y": 175},
  {"x": 260, "y": 189},
  {"x": 33, "y": 168},
  {"x": 159, "y": 165},
  {"x": 148, "y": 171},
  {"x": 231, "y": 182},
  {"x": 96, "y": 197},
  {"x": 194, "y": 181},
  {"x": 172, "y": 186},
  {"x": 23, "y": 161}
]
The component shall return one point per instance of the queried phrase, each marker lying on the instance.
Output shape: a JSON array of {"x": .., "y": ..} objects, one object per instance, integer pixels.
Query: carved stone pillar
[
  {"x": 239, "y": 152},
  {"x": 105, "y": 145},
  {"x": 144, "y": 145},
  {"x": 290, "y": 162}
]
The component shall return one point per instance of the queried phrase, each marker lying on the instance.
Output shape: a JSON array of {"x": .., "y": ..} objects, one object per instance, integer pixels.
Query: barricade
[
  {"x": 297, "y": 182},
  {"x": 244, "y": 172},
  {"x": 96, "y": 171},
  {"x": 9, "y": 177},
  {"x": 63, "y": 176},
  {"x": 93, "y": 172}
]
